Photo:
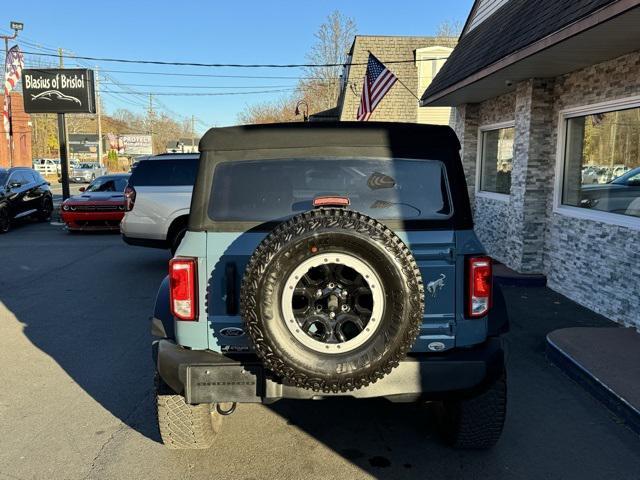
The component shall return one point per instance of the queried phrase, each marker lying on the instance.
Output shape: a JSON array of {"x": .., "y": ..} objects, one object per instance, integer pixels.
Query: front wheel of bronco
[
  {"x": 184, "y": 426},
  {"x": 477, "y": 422}
]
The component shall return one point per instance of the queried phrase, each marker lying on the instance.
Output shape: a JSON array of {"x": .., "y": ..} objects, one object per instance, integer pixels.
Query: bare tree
[
  {"x": 165, "y": 129},
  {"x": 280, "y": 110},
  {"x": 333, "y": 40},
  {"x": 449, "y": 29},
  {"x": 321, "y": 87}
]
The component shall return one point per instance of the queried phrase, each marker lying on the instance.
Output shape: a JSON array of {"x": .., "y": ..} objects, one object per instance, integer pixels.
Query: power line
[
  {"x": 118, "y": 97},
  {"x": 200, "y": 94},
  {"x": 197, "y": 86},
  {"x": 213, "y": 75},
  {"x": 231, "y": 65}
]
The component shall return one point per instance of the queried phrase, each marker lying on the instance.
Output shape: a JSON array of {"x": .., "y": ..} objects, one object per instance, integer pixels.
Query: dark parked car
[
  {"x": 621, "y": 195},
  {"x": 23, "y": 192},
  {"x": 98, "y": 207}
]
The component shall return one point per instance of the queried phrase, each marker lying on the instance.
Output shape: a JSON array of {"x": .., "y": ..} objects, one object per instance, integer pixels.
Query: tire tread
[
  {"x": 184, "y": 426},
  {"x": 312, "y": 221}
]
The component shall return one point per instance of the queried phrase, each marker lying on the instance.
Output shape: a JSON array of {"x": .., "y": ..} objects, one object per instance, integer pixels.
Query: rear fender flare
[{"x": 163, "y": 322}]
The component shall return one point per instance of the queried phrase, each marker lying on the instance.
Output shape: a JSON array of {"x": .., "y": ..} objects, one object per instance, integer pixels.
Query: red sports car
[{"x": 98, "y": 207}]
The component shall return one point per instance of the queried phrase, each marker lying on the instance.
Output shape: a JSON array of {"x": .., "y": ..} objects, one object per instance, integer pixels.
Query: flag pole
[
  {"x": 7, "y": 103},
  {"x": 397, "y": 78}
]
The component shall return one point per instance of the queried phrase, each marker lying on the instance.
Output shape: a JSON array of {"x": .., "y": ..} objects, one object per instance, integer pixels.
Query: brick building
[
  {"x": 424, "y": 56},
  {"x": 21, "y": 135},
  {"x": 547, "y": 97}
]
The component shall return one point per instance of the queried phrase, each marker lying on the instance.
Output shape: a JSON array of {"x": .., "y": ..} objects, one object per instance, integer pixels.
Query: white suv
[{"x": 158, "y": 198}]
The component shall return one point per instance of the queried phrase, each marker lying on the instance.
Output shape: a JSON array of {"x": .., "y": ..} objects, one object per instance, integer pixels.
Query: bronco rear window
[{"x": 386, "y": 189}]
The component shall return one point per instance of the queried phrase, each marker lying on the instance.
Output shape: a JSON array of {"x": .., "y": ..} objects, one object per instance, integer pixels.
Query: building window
[
  {"x": 496, "y": 160},
  {"x": 602, "y": 162}
]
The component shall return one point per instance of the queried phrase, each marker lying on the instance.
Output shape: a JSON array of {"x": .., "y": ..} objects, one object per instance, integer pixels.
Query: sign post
[
  {"x": 61, "y": 91},
  {"x": 64, "y": 160}
]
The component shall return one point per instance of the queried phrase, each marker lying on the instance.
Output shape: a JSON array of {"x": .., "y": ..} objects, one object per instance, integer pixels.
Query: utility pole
[
  {"x": 193, "y": 133},
  {"x": 99, "y": 113},
  {"x": 64, "y": 142},
  {"x": 151, "y": 119}
]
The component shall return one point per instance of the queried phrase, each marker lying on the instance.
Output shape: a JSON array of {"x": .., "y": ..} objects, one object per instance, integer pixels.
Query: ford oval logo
[
  {"x": 231, "y": 332},
  {"x": 436, "y": 346}
]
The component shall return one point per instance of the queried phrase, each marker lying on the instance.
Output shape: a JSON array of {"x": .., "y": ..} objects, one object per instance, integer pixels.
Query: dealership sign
[
  {"x": 56, "y": 90},
  {"x": 83, "y": 143}
]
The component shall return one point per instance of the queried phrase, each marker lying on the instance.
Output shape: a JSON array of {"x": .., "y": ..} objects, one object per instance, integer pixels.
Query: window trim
[
  {"x": 482, "y": 129},
  {"x": 583, "y": 213}
]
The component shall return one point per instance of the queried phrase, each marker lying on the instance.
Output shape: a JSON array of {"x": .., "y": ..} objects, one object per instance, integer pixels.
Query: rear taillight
[
  {"x": 129, "y": 198},
  {"x": 183, "y": 288},
  {"x": 479, "y": 286}
]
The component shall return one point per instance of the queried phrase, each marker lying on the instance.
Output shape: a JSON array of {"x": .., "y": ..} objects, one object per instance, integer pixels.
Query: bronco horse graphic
[{"x": 435, "y": 286}]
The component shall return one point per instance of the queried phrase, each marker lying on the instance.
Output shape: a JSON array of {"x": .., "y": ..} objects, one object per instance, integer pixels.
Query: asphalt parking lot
[{"x": 76, "y": 400}]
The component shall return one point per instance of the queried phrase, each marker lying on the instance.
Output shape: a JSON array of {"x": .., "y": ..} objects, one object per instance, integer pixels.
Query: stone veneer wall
[
  {"x": 594, "y": 263},
  {"x": 489, "y": 213}
]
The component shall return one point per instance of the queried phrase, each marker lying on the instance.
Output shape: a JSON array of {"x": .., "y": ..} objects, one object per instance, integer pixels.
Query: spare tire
[{"x": 332, "y": 300}]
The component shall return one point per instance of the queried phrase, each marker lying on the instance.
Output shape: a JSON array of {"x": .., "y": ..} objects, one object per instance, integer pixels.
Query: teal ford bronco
[{"x": 330, "y": 259}]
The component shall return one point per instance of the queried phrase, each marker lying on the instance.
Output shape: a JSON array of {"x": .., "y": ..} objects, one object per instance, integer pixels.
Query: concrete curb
[
  {"x": 577, "y": 372},
  {"x": 505, "y": 276}
]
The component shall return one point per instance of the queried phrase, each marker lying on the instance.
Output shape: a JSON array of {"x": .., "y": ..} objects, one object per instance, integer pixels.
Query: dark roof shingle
[{"x": 514, "y": 26}]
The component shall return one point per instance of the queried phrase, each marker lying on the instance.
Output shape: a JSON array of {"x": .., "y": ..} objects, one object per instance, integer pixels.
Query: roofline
[
  {"x": 599, "y": 16},
  {"x": 474, "y": 7},
  {"x": 401, "y": 36},
  {"x": 317, "y": 135}
]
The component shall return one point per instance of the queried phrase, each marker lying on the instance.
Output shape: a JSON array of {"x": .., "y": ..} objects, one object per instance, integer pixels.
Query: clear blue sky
[{"x": 211, "y": 32}]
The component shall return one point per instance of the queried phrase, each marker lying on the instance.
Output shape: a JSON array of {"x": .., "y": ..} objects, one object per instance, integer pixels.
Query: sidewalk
[
  {"x": 601, "y": 356},
  {"x": 606, "y": 362}
]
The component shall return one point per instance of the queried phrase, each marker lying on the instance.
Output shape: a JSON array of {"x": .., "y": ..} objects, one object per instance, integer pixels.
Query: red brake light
[
  {"x": 129, "y": 198},
  {"x": 331, "y": 201},
  {"x": 183, "y": 288},
  {"x": 479, "y": 286}
]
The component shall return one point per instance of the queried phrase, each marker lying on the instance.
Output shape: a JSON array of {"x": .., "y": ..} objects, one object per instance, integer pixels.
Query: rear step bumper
[{"x": 203, "y": 376}]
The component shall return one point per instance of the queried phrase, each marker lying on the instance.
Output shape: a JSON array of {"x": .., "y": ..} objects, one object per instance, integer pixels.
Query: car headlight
[
  {"x": 120, "y": 207},
  {"x": 65, "y": 207}
]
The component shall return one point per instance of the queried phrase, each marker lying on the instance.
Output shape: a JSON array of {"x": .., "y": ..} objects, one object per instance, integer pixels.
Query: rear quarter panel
[{"x": 154, "y": 210}]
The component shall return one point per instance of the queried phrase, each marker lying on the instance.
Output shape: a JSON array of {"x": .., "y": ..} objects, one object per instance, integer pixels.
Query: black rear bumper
[
  {"x": 203, "y": 376},
  {"x": 145, "y": 242}
]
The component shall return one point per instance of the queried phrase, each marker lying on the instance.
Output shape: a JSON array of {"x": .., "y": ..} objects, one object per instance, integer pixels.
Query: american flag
[
  {"x": 12, "y": 71},
  {"x": 377, "y": 82}
]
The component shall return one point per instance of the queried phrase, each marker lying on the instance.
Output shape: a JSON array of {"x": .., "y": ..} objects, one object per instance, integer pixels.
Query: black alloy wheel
[
  {"x": 5, "y": 220},
  {"x": 45, "y": 209}
]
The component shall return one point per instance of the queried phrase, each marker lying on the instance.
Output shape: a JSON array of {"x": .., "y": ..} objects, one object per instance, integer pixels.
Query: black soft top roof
[
  {"x": 328, "y": 140},
  {"x": 404, "y": 137}
]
